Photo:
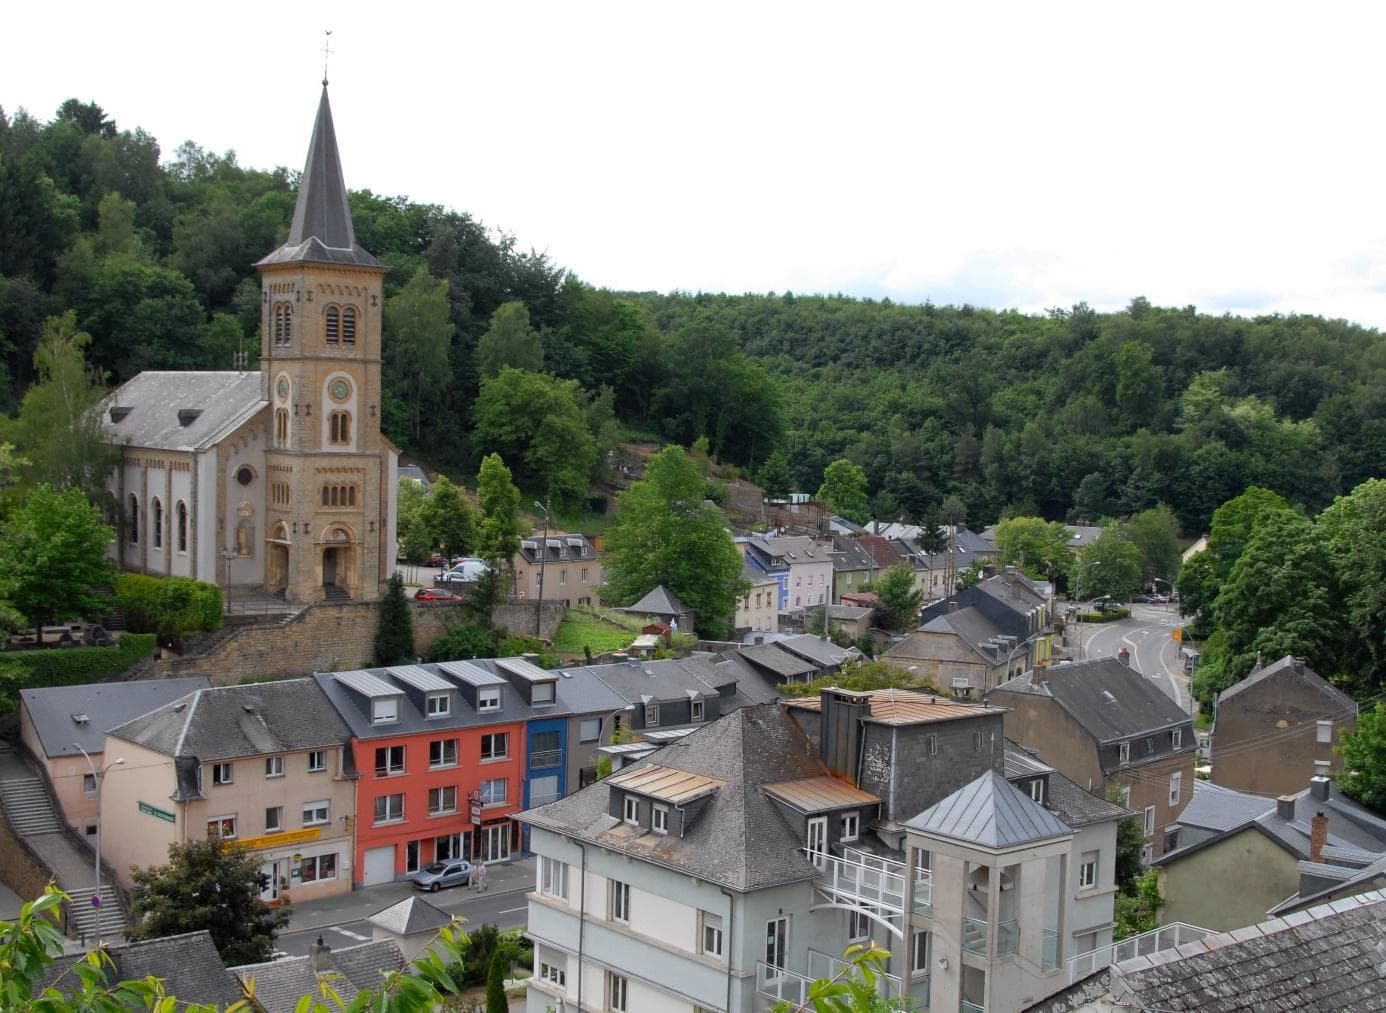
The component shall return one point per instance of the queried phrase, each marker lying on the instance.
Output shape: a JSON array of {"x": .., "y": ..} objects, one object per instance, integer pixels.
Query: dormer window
[
  {"x": 1124, "y": 752},
  {"x": 630, "y": 810},
  {"x": 384, "y": 710},
  {"x": 438, "y": 705},
  {"x": 695, "y": 710},
  {"x": 651, "y": 715},
  {"x": 1149, "y": 745},
  {"x": 488, "y": 698},
  {"x": 541, "y": 693},
  {"x": 1176, "y": 738}
]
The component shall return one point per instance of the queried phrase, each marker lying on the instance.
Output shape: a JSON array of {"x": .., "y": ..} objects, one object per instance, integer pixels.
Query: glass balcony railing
[
  {"x": 924, "y": 894},
  {"x": 970, "y": 1007},
  {"x": 1049, "y": 956},
  {"x": 974, "y": 936},
  {"x": 1007, "y": 937}
]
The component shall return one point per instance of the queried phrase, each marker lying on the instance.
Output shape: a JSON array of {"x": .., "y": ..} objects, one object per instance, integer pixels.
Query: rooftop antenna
[{"x": 326, "y": 52}]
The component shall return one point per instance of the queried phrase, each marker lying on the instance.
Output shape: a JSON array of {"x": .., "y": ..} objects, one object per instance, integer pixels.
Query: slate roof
[
  {"x": 1077, "y": 806},
  {"x": 321, "y": 231},
  {"x": 188, "y": 963},
  {"x": 782, "y": 663},
  {"x": 144, "y": 410},
  {"x": 755, "y": 576},
  {"x": 279, "y": 984},
  {"x": 1005, "y": 614},
  {"x": 659, "y": 602},
  {"x": 224, "y": 722},
  {"x": 737, "y": 838},
  {"x": 410, "y": 916},
  {"x": 792, "y": 549},
  {"x": 1286, "y": 667},
  {"x": 553, "y": 543},
  {"x": 974, "y": 628},
  {"x": 1110, "y": 700},
  {"x": 905, "y": 707},
  {"x": 1323, "y": 959},
  {"x": 105, "y": 705},
  {"x": 823, "y": 653},
  {"x": 848, "y": 554},
  {"x": 721, "y": 670},
  {"x": 1213, "y": 807},
  {"x": 989, "y": 812}
]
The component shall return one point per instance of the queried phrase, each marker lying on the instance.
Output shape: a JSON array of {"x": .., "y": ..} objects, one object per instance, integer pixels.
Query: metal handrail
[
  {"x": 546, "y": 758},
  {"x": 1157, "y": 940},
  {"x": 872, "y": 880}
]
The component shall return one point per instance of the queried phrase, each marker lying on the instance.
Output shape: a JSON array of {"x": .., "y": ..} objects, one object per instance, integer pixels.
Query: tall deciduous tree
[
  {"x": 498, "y": 534},
  {"x": 52, "y": 553},
  {"x": 212, "y": 885},
  {"x": 1041, "y": 547},
  {"x": 540, "y": 426},
  {"x": 394, "y": 636},
  {"x": 1156, "y": 533},
  {"x": 844, "y": 490},
  {"x": 899, "y": 596},
  {"x": 418, "y": 334},
  {"x": 774, "y": 477},
  {"x": 665, "y": 535},
  {"x": 1363, "y": 750},
  {"x": 1354, "y": 533},
  {"x": 509, "y": 342},
  {"x": 449, "y": 518},
  {"x": 1109, "y": 567},
  {"x": 415, "y": 539}
]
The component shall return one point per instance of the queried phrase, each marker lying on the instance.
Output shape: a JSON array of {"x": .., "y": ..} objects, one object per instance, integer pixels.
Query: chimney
[
  {"x": 1318, "y": 788},
  {"x": 1318, "y": 836},
  {"x": 1037, "y": 675},
  {"x": 952, "y": 606},
  {"x": 1298, "y": 665},
  {"x": 320, "y": 956},
  {"x": 1285, "y": 807},
  {"x": 841, "y": 729}
]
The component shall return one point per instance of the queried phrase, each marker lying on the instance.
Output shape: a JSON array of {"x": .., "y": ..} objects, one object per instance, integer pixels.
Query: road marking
[
  {"x": 351, "y": 935},
  {"x": 512, "y": 910}
]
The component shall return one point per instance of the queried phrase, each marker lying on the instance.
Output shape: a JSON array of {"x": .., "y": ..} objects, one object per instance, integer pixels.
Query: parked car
[
  {"x": 1159, "y": 599},
  {"x": 1142, "y": 598},
  {"x": 436, "y": 559},
  {"x": 465, "y": 572},
  {"x": 436, "y": 594},
  {"x": 457, "y": 872}
]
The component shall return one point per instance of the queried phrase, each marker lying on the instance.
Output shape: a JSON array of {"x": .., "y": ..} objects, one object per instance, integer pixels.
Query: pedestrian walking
[{"x": 479, "y": 877}]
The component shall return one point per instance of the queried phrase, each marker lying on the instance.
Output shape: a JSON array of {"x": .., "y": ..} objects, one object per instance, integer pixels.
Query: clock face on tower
[
  {"x": 340, "y": 390},
  {"x": 283, "y": 387}
]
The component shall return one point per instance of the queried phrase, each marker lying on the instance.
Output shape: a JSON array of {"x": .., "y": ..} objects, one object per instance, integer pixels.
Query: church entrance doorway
[
  {"x": 277, "y": 563},
  {"x": 339, "y": 561},
  {"x": 329, "y": 567}
]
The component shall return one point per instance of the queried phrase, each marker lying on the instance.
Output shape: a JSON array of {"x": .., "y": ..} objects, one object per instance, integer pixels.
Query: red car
[
  {"x": 435, "y": 594},
  {"x": 437, "y": 559}
]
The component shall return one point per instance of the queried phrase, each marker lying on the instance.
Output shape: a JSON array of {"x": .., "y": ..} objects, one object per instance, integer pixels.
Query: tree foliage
[
  {"x": 1040, "y": 547},
  {"x": 448, "y": 519},
  {"x": 416, "y": 336},
  {"x": 209, "y": 884},
  {"x": 844, "y": 490},
  {"x": 1363, "y": 775},
  {"x": 394, "y": 634},
  {"x": 899, "y": 596},
  {"x": 541, "y": 427},
  {"x": 1155, "y": 532},
  {"x": 1109, "y": 567},
  {"x": 663, "y": 534},
  {"x": 510, "y": 342},
  {"x": 498, "y": 533}
]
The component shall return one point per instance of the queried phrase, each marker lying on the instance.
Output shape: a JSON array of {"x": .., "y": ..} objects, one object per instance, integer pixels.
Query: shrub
[
  {"x": 169, "y": 607},
  {"x": 68, "y": 666},
  {"x": 1110, "y": 616}
]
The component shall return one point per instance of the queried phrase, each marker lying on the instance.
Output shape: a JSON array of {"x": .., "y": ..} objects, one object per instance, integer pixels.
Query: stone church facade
[{"x": 279, "y": 479}]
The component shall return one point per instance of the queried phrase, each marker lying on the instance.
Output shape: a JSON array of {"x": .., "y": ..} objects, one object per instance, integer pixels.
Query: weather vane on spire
[{"x": 326, "y": 52}]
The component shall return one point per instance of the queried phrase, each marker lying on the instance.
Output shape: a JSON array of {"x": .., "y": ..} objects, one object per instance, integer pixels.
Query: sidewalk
[{"x": 513, "y": 876}]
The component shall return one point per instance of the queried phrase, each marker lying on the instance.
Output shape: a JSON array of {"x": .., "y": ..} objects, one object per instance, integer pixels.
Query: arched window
[
  {"x": 351, "y": 495},
  {"x": 339, "y": 495},
  {"x": 283, "y": 323},
  {"x": 281, "y": 427},
  {"x": 349, "y": 325},
  {"x": 182, "y": 526},
  {"x": 157, "y": 509},
  {"x": 333, "y": 328},
  {"x": 339, "y": 427},
  {"x": 134, "y": 519}
]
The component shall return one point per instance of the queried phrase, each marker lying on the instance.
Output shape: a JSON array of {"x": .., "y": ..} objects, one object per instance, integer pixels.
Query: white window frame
[
  {"x": 317, "y": 814},
  {"x": 1323, "y": 731},
  {"x": 710, "y": 938},
  {"x": 278, "y": 825},
  {"x": 88, "y": 784},
  {"x": 695, "y": 710},
  {"x": 553, "y": 974},
  {"x": 488, "y": 698},
  {"x": 1124, "y": 753},
  {"x": 438, "y": 705},
  {"x": 385, "y": 710},
  {"x": 1176, "y": 739},
  {"x": 317, "y": 863},
  {"x": 630, "y": 810},
  {"x": 617, "y": 993},
  {"x": 222, "y": 823},
  {"x": 388, "y": 817},
  {"x": 274, "y": 766},
  {"x": 317, "y": 761},
  {"x": 858, "y": 926},
  {"x": 919, "y": 954},
  {"x": 553, "y": 878},
  {"x": 619, "y": 896},
  {"x": 390, "y": 768},
  {"x": 488, "y": 788},
  {"x": 652, "y": 715},
  {"x": 849, "y": 827},
  {"x": 1149, "y": 821},
  {"x": 593, "y": 723},
  {"x": 438, "y": 754},
  {"x": 438, "y": 804},
  {"x": 659, "y": 818},
  {"x": 1176, "y": 783},
  {"x": 1037, "y": 790},
  {"x": 1147, "y": 853},
  {"x": 223, "y": 773},
  {"x": 1125, "y": 793},
  {"x": 542, "y": 693},
  {"x": 1087, "y": 870},
  {"x": 489, "y": 739}
]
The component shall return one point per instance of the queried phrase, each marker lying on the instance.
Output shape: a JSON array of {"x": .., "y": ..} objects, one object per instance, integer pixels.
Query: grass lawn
[{"x": 581, "y": 628}]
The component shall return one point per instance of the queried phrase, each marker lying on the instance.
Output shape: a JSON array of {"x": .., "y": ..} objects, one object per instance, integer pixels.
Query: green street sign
[{"x": 157, "y": 813}]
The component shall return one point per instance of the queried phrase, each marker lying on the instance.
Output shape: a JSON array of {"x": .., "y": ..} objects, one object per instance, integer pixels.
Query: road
[
  {"x": 505, "y": 910},
  {"x": 1147, "y": 635}
]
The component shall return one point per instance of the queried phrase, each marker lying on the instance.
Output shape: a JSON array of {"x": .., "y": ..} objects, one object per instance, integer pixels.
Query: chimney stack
[
  {"x": 1037, "y": 675},
  {"x": 320, "y": 956},
  {"x": 1285, "y": 807},
  {"x": 1318, "y": 836},
  {"x": 1299, "y": 666},
  {"x": 1318, "y": 788}
]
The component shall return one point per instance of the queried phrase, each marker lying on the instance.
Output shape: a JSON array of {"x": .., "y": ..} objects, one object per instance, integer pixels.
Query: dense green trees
[
  {"x": 1039, "y": 547},
  {"x": 665, "y": 535},
  {"x": 844, "y": 490},
  {"x": 899, "y": 596},
  {"x": 1364, "y": 759}
]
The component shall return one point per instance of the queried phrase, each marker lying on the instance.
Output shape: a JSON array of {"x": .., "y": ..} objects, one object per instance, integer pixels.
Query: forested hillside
[{"x": 492, "y": 348}]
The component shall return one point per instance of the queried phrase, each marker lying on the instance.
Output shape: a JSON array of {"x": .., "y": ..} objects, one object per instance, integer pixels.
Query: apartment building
[
  {"x": 566, "y": 565},
  {"x": 267, "y": 765},
  {"x": 801, "y": 567}
]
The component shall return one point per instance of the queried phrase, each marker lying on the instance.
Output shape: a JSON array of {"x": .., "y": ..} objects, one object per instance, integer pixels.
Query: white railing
[
  {"x": 1166, "y": 937},
  {"x": 823, "y": 965},
  {"x": 781, "y": 984},
  {"x": 862, "y": 878}
]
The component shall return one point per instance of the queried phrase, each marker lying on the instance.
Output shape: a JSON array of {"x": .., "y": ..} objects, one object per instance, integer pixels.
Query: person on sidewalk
[{"x": 479, "y": 877}]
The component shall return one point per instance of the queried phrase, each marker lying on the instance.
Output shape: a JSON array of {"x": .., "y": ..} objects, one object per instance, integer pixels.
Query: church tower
[{"x": 330, "y": 482}]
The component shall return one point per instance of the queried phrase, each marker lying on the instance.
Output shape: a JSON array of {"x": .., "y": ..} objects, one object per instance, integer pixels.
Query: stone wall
[
  {"x": 331, "y": 638},
  {"x": 20, "y": 868}
]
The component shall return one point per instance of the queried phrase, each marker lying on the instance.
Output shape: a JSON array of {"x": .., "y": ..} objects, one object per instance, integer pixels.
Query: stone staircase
[
  {"x": 335, "y": 595},
  {"x": 83, "y": 916},
  {"x": 28, "y": 806}
]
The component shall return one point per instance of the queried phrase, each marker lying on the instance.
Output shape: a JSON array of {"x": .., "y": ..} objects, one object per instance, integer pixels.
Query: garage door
[{"x": 380, "y": 865}]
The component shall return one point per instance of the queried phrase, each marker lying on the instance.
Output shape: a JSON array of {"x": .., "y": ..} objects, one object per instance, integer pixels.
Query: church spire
[{"x": 321, "y": 230}]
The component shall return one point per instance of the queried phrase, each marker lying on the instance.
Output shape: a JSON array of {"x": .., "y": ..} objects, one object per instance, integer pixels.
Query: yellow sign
[
  {"x": 275, "y": 840},
  {"x": 1177, "y": 633}
]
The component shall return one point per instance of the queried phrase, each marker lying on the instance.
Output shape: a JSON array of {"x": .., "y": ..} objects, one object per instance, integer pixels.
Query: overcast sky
[{"x": 1008, "y": 155}]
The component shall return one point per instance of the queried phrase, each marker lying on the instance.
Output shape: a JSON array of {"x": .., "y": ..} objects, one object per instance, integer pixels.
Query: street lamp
[
  {"x": 1161, "y": 580},
  {"x": 1029, "y": 640},
  {"x": 99, "y": 777},
  {"x": 543, "y": 558}
]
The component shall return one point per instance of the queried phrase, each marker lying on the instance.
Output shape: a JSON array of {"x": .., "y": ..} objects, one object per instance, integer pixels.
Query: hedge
[
  {"x": 171, "y": 607},
  {"x": 1105, "y": 617},
  {"x": 67, "y": 666}
]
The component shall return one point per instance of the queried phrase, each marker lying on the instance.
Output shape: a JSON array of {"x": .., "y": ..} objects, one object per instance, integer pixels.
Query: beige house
[
  {"x": 266, "y": 765},
  {"x": 59, "y": 722},
  {"x": 758, "y": 610},
  {"x": 278, "y": 478},
  {"x": 570, "y": 568}
]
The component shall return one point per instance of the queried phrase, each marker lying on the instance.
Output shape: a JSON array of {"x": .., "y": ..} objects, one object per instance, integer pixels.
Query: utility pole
[
  {"x": 543, "y": 559},
  {"x": 98, "y": 776}
]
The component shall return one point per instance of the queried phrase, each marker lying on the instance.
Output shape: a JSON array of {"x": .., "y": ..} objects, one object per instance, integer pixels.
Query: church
[{"x": 279, "y": 479}]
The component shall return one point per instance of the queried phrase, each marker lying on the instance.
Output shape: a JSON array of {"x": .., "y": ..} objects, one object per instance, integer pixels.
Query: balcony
[
  {"x": 535, "y": 801},
  {"x": 1007, "y": 938},
  {"x": 1049, "y": 956},
  {"x": 545, "y": 759},
  {"x": 863, "y": 880},
  {"x": 1166, "y": 937},
  {"x": 970, "y": 1007},
  {"x": 783, "y": 985},
  {"x": 974, "y": 936},
  {"x": 924, "y": 893}
]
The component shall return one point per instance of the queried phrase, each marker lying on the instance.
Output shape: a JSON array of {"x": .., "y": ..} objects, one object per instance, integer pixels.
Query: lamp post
[
  {"x": 543, "y": 558},
  {"x": 1161, "y": 580},
  {"x": 1028, "y": 640},
  {"x": 98, "y": 776}
]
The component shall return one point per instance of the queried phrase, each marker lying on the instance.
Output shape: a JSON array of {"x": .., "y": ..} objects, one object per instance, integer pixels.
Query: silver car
[{"x": 455, "y": 872}]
